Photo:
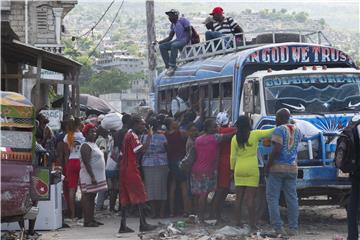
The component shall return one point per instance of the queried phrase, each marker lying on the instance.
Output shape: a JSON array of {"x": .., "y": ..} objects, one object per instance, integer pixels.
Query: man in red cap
[{"x": 222, "y": 25}]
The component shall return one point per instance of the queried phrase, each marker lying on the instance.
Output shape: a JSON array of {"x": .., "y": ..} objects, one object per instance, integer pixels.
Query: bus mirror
[{"x": 248, "y": 97}]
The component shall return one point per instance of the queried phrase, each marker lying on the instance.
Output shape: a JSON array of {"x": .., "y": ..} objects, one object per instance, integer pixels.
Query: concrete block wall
[{"x": 16, "y": 17}]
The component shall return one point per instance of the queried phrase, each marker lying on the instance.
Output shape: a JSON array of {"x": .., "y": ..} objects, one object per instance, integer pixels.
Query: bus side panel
[{"x": 15, "y": 188}]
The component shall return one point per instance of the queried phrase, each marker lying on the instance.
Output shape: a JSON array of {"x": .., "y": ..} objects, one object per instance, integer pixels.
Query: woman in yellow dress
[{"x": 244, "y": 164}]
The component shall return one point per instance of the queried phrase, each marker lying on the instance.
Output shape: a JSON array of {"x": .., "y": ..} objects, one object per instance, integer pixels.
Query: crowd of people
[
  {"x": 166, "y": 166},
  {"x": 217, "y": 26},
  {"x": 161, "y": 166}
]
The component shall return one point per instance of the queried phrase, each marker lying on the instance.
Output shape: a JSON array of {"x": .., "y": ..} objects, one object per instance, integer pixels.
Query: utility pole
[{"x": 150, "y": 26}]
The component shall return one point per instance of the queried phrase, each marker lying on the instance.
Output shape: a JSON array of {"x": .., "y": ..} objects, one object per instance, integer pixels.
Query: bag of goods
[{"x": 112, "y": 121}]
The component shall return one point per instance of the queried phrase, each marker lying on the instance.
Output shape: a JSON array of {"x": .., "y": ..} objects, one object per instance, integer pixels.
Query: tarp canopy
[
  {"x": 92, "y": 104},
  {"x": 16, "y": 110},
  {"x": 89, "y": 104},
  {"x": 17, "y": 52}
]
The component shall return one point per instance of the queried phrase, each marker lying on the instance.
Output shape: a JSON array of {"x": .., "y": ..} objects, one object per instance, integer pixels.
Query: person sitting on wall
[
  {"x": 222, "y": 25},
  {"x": 180, "y": 27}
]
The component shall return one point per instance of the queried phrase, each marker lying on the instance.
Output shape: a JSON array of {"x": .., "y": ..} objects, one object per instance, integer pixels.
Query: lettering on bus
[
  {"x": 295, "y": 54},
  {"x": 311, "y": 79}
]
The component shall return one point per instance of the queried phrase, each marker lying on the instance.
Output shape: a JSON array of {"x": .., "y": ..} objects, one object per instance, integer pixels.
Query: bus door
[{"x": 251, "y": 100}]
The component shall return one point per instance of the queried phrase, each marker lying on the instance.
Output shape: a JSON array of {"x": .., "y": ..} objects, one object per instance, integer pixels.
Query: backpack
[
  {"x": 347, "y": 154},
  {"x": 195, "y": 38}
]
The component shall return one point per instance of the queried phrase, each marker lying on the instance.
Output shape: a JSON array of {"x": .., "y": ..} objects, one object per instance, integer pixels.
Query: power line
[
  {"x": 97, "y": 23},
  {"x": 107, "y": 30}
]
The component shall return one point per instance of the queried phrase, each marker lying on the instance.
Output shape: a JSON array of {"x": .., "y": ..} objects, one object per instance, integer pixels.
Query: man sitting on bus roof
[
  {"x": 180, "y": 27},
  {"x": 222, "y": 25}
]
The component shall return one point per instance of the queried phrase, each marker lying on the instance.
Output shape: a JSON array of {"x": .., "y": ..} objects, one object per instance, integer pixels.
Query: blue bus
[{"x": 318, "y": 83}]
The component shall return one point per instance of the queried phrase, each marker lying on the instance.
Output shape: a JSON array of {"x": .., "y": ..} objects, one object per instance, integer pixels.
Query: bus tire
[{"x": 279, "y": 38}]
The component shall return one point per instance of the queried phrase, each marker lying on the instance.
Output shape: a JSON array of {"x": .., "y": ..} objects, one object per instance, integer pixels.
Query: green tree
[
  {"x": 322, "y": 22},
  {"x": 86, "y": 71},
  {"x": 107, "y": 81},
  {"x": 247, "y": 11},
  {"x": 283, "y": 11},
  {"x": 301, "y": 17}
]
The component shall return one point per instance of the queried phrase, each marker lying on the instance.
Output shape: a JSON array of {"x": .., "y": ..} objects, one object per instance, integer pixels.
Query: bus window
[
  {"x": 204, "y": 91},
  {"x": 252, "y": 97},
  {"x": 174, "y": 93},
  {"x": 162, "y": 96},
  {"x": 227, "y": 89},
  {"x": 204, "y": 95},
  {"x": 194, "y": 99},
  {"x": 162, "y": 100},
  {"x": 169, "y": 93},
  {"x": 215, "y": 99},
  {"x": 248, "y": 97},
  {"x": 226, "y": 100},
  {"x": 215, "y": 91}
]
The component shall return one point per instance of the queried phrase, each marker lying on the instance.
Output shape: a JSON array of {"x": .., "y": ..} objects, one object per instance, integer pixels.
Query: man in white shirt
[
  {"x": 179, "y": 104},
  {"x": 308, "y": 130}
]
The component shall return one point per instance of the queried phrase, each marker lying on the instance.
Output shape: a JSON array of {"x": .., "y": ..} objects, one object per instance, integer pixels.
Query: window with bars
[{"x": 42, "y": 21}]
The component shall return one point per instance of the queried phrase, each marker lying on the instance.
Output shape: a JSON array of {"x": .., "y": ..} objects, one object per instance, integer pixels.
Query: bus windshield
[{"x": 313, "y": 93}]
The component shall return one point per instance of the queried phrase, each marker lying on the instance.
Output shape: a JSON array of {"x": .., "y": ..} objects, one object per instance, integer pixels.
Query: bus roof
[{"x": 278, "y": 56}]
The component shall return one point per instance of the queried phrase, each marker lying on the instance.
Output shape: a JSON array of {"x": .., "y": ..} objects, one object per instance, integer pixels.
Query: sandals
[
  {"x": 33, "y": 236},
  {"x": 98, "y": 223},
  {"x": 126, "y": 230},
  {"x": 91, "y": 224}
]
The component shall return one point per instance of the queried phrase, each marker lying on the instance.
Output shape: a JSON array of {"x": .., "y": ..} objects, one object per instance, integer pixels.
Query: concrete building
[
  {"x": 138, "y": 94},
  {"x": 128, "y": 100},
  {"x": 121, "y": 60},
  {"x": 37, "y": 23}
]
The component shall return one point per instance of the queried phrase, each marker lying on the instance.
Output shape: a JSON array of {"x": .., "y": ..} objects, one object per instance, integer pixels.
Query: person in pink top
[{"x": 204, "y": 170}]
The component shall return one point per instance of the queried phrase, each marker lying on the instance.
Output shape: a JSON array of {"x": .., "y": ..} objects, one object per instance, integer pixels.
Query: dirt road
[{"x": 316, "y": 223}]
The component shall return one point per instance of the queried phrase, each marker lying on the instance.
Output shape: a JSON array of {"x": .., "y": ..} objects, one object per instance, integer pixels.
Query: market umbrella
[{"x": 89, "y": 104}]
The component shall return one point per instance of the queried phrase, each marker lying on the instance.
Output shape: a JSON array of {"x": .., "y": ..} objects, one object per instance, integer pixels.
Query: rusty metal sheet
[{"x": 15, "y": 188}]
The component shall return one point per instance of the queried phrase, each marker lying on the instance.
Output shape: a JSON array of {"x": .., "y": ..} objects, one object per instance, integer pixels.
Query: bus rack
[{"x": 235, "y": 42}]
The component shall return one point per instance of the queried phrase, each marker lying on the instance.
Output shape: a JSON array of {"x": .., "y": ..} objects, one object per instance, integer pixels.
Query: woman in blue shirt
[{"x": 155, "y": 168}]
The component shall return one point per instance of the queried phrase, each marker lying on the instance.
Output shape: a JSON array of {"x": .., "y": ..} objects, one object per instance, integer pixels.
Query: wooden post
[
  {"x": 73, "y": 92},
  {"x": 66, "y": 95},
  {"x": 150, "y": 25},
  {"x": 77, "y": 95},
  {"x": 37, "y": 86}
]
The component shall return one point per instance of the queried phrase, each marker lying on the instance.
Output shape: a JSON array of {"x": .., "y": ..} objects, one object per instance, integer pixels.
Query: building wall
[
  {"x": 41, "y": 20},
  {"x": 121, "y": 60},
  {"x": 44, "y": 31}
]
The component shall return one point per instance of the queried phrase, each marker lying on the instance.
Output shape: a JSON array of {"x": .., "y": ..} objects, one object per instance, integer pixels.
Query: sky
[{"x": 339, "y": 15}]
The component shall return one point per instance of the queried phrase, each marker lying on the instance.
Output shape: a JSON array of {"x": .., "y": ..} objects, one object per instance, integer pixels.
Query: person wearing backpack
[
  {"x": 347, "y": 159},
  {"x": 181, "y": 28}
]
